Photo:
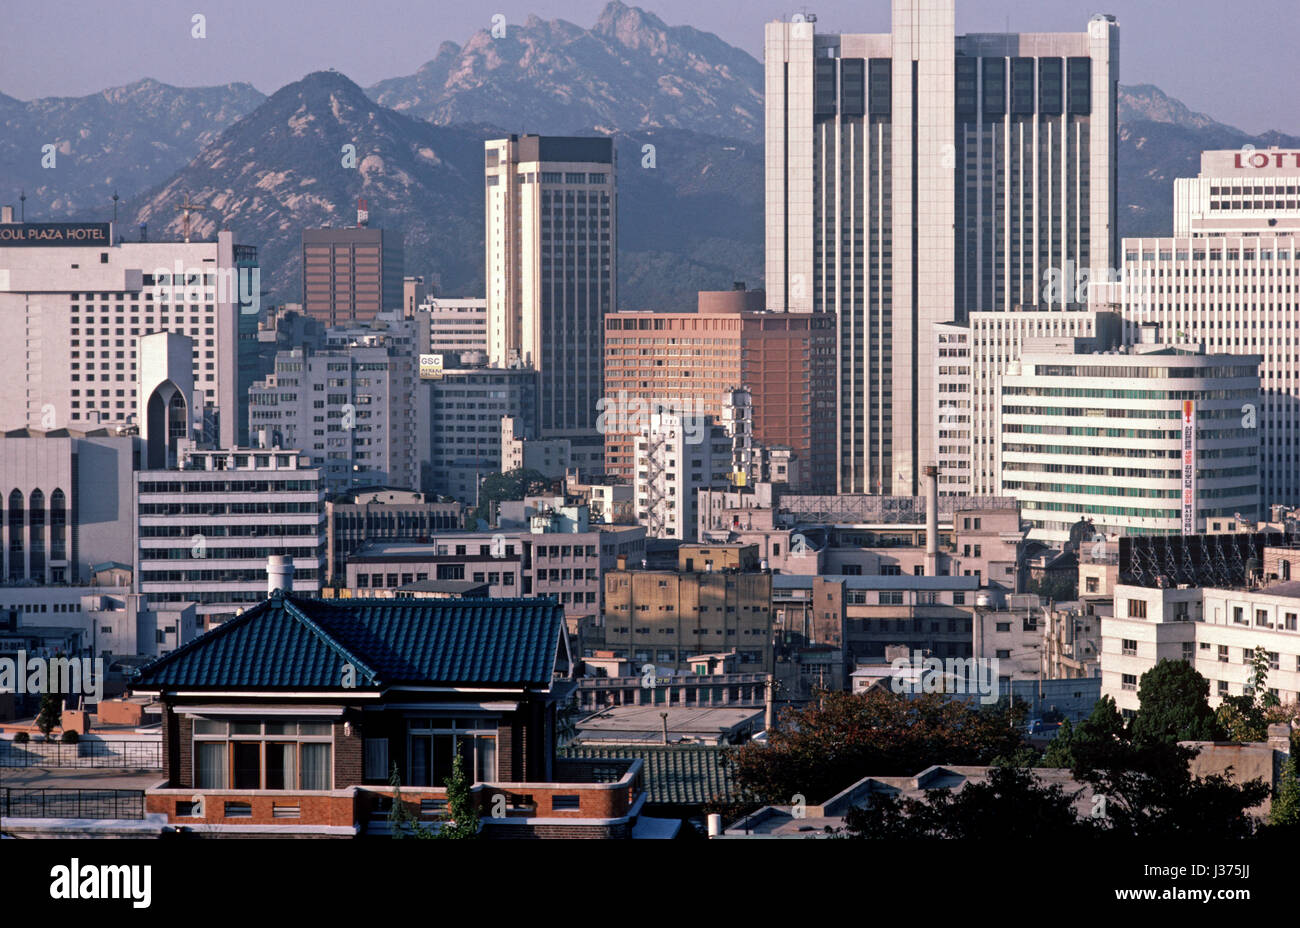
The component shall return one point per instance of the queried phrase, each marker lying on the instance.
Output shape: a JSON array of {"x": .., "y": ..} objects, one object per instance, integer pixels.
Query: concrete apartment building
[
  {"x": 351, "y": 275},
  {"x": 353, "y": 408},
  {"x": 1148, "y": 440},
  {"x": 691, "y": 361},
  {"x": 80, "y": 300},
  {"x": 555, "y": 552},
  {"x": 676, "y": 458},
  {"x": 1229, "y": 278},
  {"x": 552, "y": 270},
  {"x": 374, "y": 514},
  {"x": 464, "y": 409},
  {"x": 718, "y": 599},
  {"x": 205, "y": 530},
  {"x": 1216, "y": 630},
  {"x": 978, "y": 537},
  {"x": 916, "y": 176}
]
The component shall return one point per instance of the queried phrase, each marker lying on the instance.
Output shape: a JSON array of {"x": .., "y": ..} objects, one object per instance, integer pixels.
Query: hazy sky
[{"x": 1232, "y": 60}]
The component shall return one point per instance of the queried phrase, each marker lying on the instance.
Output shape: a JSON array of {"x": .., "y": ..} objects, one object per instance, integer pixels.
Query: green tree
[
  {"x": 51, "y": 712},
  {"x": 1104, "y": 725},
  {"x": 1012, "y": 803},
  {"x": 514, "y": 484},
  {"x": 460, "y": 821},
  {"x": 1285, "y": 812},
  {"x": 1173, "y": 705},
  {"x": 837, "y": 740}
]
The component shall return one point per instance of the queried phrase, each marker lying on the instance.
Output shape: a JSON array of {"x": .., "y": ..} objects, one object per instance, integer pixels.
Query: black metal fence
[
  {"x": 72, "y": 803},
  {"x": 144, "y": 755}
]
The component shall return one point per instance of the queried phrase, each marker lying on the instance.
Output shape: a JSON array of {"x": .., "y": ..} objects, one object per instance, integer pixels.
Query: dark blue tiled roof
[
  {"x": 674, "y": 775},
  {"x": 291, "y": 642}
]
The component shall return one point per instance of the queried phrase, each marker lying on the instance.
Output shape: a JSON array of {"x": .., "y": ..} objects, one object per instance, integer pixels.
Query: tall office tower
[
  {"x": 75, "y": 301},
  {"x": 1230, "y": 279},
  {"x": 351, "y": 275},
  {"x": 552, "y": 269},
  {"x": 917, "y": 176}
]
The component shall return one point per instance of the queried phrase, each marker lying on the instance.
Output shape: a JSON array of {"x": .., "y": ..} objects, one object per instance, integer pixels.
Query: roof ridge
[
  {"x": 300, "y": 615},
  {"x": 224, "y": 628}
]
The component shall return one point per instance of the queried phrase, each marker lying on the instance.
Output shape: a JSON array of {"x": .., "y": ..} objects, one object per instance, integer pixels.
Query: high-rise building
[
  {"x": 785, "y": 361},
  {"x": 77, "y": 300},
  {"x": 351, "y": 275},
  {"x": 1229, "y": 278},
  {"x": 1148, "y": 440},
  {"x": 917, "y": 176},
  {"x": 552, "y": 269},
  {"x": 457, "y": 327}
]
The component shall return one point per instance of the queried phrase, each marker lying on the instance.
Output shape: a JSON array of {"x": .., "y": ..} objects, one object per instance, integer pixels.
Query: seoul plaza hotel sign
[{"x": 54, "y": 233}]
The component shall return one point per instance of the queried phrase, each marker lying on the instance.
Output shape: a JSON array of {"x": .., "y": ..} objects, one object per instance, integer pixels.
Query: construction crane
[{"x": 187, "y": 207}]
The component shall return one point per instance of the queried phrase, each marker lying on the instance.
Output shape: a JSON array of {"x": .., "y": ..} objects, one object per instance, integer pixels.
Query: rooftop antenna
[
  {"x": 115, "y": 199},
  {"x": 187, "y": 207},
  {"x": 22, "y": 206}
]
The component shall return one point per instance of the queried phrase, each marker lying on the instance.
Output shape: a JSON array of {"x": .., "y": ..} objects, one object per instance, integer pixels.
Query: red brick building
[{"x": 787, "y": 360}]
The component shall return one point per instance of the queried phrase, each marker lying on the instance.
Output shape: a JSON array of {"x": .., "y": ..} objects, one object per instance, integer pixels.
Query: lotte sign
[{"x": 1266, "y": 159}]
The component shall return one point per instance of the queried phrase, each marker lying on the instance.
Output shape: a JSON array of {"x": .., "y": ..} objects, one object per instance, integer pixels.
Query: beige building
[
  {"x": 717, "y": 600},
  {"x": 1216, "y": 630}
]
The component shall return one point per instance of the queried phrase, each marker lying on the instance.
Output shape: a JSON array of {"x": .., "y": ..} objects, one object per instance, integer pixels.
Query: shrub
[
  {"x": 22, "y": 737},
  {"x": 71, "y": 737}
]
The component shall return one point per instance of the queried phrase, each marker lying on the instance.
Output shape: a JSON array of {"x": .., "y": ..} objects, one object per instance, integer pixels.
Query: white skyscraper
[
  {"x": 552, "y": 269},
  {"x": 917, "y": 176}
]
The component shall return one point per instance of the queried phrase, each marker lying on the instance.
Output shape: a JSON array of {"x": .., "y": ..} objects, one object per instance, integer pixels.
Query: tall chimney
[
  {"x": 931, "y": 473},
  {"x": 769, "y": 705},
  {"x": 279, "y": 573},
  {"x": 664, "y": 716}
]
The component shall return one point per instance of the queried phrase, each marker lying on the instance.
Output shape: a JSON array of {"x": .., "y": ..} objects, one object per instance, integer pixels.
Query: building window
[
  {"x": 272, "y": 754},
  {"x": 433, "y": 744},
  {"x": 1090, "y": 584},
  {"x": 1129, "y": 681},
  {"x": 376, "y": 753},
  {"x": 1137, "y": 608},
  {"x": 1129, "y": 646}
]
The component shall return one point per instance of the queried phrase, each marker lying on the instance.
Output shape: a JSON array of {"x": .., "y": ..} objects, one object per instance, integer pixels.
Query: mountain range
[{"x": 690, "y": 213}]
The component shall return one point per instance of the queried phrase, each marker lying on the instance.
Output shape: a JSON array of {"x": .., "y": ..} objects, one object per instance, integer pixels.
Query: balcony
[{"x": 609, "y": 791}]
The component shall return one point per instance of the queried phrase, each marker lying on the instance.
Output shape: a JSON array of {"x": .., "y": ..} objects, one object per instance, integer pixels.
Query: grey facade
[{"x": 917, "y": 176}]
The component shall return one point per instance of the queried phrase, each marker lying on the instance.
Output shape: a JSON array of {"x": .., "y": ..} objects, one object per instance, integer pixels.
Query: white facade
[
  {"x": 675, "y": 459},
  {"x": 352, "y": 409},
  {"x": 1140, "y": 442},
  {"x": 1217, "y": 630},
  {"x": 952, "y": 408},
  {"x": 1230, "y": 279},
  {"x": 995, "y": 341},
  {"x": 456, "y": 326},
  {"x": 77, "y": 313},
  {"x": 1240, "y": 192},
  {"x": 205, "y": 531},
  {"x": 552, "y": 269},
  {"x": 918, "y": 176}
]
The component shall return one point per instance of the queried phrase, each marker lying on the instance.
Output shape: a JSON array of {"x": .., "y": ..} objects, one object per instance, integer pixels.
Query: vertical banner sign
[{"x": 1189, "y": 467}]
